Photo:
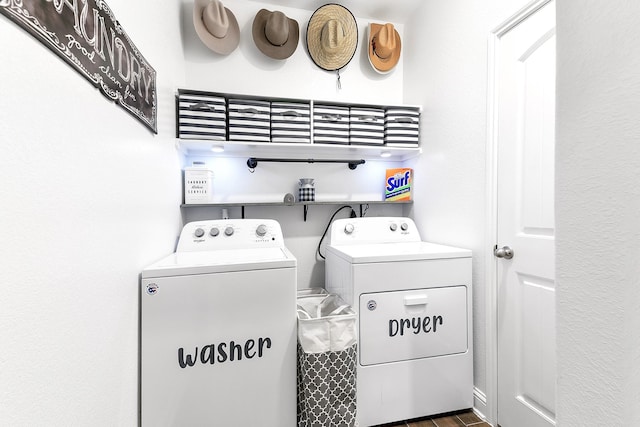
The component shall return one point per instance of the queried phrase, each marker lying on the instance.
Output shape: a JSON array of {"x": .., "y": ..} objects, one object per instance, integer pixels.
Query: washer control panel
[
  {"x": 373, "y": 230},
  {"x": 230, "y": 234}
]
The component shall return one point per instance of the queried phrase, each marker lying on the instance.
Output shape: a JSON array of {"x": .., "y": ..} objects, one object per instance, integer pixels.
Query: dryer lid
[{"x": 390, "y": 252}]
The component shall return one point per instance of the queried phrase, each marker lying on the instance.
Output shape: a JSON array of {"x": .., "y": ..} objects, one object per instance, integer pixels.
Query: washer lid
[
  {"x": 220, "y": 261},
  {"x": 409, "y": 251}
]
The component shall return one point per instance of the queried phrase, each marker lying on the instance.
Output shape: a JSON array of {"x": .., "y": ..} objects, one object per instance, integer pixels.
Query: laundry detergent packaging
[{"x": 398, "y": 184}]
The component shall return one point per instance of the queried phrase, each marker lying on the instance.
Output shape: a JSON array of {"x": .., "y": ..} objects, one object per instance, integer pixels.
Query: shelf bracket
[{"x": 252, "y": 162}]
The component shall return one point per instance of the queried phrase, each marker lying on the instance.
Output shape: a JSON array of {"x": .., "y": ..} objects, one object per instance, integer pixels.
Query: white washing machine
[
  {"x": 413, "y": 301},
  {"x": 218, "y": 329}
]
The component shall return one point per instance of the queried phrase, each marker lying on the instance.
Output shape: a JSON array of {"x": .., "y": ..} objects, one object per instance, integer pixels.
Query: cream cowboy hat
[
  {"x": 332, "y": 37},
  {"x": 216, "y": 26},
  {"x": 274, "y": 34},
  {"x": 384, "y": 47}
]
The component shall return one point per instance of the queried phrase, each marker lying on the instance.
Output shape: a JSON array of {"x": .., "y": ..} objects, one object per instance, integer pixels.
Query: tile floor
[{"x": 458, "y": 419}]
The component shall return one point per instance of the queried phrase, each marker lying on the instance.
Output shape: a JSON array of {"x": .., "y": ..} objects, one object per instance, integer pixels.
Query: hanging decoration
[
  {"x": 332, "y": 38},
  {"x": 275, "y": 34},
  {"x": 86, "y": 35},
  {"x": 216, "y": 26},
  {"x": 384, "y": 47}
]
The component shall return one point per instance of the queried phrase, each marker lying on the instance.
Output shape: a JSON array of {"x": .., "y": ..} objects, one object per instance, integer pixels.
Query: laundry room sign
[{"x": 86, "y": 35}]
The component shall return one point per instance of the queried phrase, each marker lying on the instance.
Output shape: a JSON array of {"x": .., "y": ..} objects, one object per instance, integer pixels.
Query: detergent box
[{"x": 398, "y": 184}]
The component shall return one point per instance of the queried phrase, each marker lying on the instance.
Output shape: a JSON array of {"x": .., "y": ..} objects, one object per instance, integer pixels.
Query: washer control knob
[
  {"x": 404, "y": 226},
  {"x": 214, "y": 232},
  {"x": 348, "y": 229},
  {"x": 261, "y": 231},
  {"x": 393, "y": 226},
  {"x": 199, "y": 232},
  {"x": 228, "y": 231}
]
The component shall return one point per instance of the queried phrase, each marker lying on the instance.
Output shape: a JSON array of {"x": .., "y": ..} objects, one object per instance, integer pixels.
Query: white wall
[
  {"x": 248, "y": 71},
  {"x": 598, "y": 200},
  {"x": 89, "y": 197},
  {"x": 233, "y": 182},
  {"x": 446, "y": 72},
  {"x": 89, "y": 202}
]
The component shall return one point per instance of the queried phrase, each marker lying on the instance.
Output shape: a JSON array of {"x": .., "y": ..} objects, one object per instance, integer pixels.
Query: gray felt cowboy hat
[
  {"x": 275, "y": 34},
  {"x": 216, "y": 26}
]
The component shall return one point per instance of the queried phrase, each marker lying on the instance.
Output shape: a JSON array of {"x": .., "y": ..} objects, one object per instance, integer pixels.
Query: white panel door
[{"x": 525, "y": 215}]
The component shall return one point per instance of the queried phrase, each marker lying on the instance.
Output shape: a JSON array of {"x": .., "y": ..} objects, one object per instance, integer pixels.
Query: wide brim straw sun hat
[{"x": 332, "y": 37}]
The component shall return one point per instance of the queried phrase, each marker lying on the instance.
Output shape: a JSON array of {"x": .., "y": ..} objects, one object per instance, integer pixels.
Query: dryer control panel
[
  {"x": 221, "y": 234},
  {"x": 373, "y": 230}
]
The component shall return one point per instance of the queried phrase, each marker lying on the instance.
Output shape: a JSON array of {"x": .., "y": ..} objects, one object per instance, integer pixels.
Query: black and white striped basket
[
  {"x": 290, "y": 122},
  {"x": 402, "y": 126},
  {"x": 249, "y": 120},
  {"x": 201, "y": 116},
  {"x": 330, "y": 124},
  {"x": 366, "y": 126}
]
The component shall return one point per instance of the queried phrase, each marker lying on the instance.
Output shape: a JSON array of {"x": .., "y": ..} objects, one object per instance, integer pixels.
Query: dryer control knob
[
  {"x": 261, "y": 231},
  {"x": 199, "y": 232},
  {"x": 393, "y": 227},
  {"x": 404, "y": 226},
  {"x": 214, "y": 232},
  {"x": 228, "y": 231},
  {"x": 348, "y": 229}
]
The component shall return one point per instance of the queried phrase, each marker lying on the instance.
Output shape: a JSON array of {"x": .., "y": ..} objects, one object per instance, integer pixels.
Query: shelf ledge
[
  {"x": 205, "y": 148},
  {"x": 305, "y": 205}
]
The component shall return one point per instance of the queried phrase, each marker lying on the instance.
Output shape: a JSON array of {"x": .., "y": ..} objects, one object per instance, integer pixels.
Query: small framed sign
[{"x": 88, "y": 37}]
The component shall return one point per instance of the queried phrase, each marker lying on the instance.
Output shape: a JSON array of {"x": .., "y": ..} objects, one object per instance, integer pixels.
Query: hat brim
[
  {"x": 314, "y": 31},
  {"x": 224, "y": 45},
  {"x": 265, "y": 46},
  {"x": 383, "y": 65}
]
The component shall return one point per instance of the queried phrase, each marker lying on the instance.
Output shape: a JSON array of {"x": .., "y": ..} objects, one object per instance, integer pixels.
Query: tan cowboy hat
[
  {"x": 332, "y": 36},
  {"x": 274, "y": 34},
  {"x": 216, "y": 26},
  {"x": 384, "y": 47}
]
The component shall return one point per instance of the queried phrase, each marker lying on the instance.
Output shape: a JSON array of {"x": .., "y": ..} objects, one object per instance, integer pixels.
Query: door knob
[{"x": 503, "y": 252}]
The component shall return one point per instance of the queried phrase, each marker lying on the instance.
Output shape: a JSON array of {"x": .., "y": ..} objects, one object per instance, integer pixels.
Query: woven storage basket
[
  {"x": 366, "y": 126},
  {"x": 249, "y": 120},
  {"x": 201, "y": 116},
  {"x": 290, "y": 122},
  {"x": 330, "y": 124},
  {"x": 402, "y": 126}
]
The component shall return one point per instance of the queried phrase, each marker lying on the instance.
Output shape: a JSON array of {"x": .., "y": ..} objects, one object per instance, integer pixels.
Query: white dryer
[
  {"x": 218, "y": 328},
  {"x": 413, "y": 301}
]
